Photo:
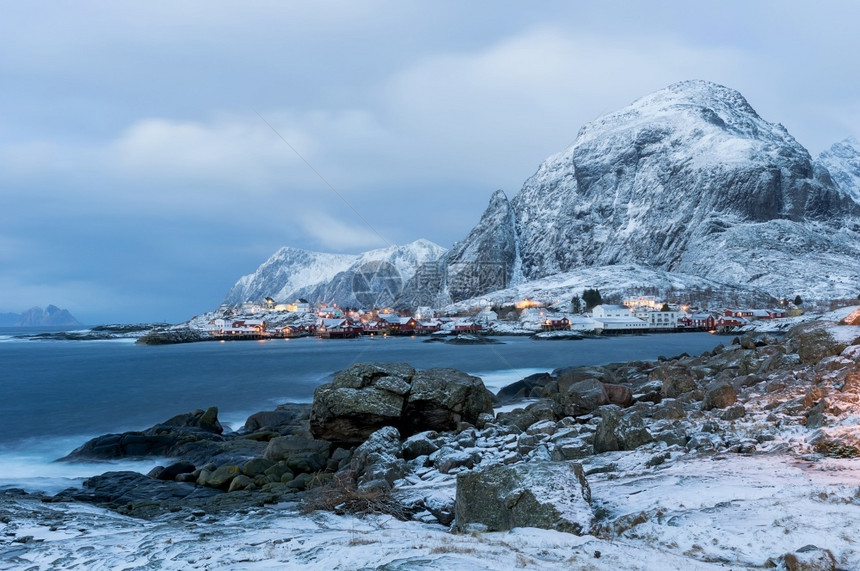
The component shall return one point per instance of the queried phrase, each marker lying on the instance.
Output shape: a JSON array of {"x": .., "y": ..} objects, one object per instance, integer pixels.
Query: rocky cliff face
[
  {"x": 485, "y": 261},
  {"x": 287, "y": 271},
  {"x": 361, "y": 280},
  {"x": 842, "y": 162},
  {"x": 660, "y": 182},
  {"x": 376, "y": 278},
  {"x": 688, "y": 180}
]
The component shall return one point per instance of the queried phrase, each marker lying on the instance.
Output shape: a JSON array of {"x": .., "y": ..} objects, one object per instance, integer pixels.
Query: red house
[
  {"x": 556, "y": 324},
  {"x": 467, "y": 327}
]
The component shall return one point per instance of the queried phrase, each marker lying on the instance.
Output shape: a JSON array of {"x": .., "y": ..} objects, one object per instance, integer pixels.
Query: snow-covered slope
[
  {"x": 373, "y": 276},
  {"x": 287, "y": 271},
  {"x": 618, "y": 281},
  {"x": 842, "y": 161},
  {"x": 690, "y": 179}
]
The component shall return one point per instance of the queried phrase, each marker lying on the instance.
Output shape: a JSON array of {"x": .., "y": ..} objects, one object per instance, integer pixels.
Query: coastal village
[{"x": 635, "y": 314}]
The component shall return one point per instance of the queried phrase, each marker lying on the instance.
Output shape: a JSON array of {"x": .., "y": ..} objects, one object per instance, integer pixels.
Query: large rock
[
  {"x": 547, "y": 495},
  {"x": 582, "y": 397},
  {"x": 819, "y": 339},
  {"x": 378, "y": 462},
  {"x": 441, "y": 398},
  {"x": 298, "y": 453},
  {"x": 368, "y": 396},
  {"x": 810, "y": 558},
  {"x": 359, "y": 401},
  {"x": 676, "y": 380},
  {"x": 171, "y": 438},
  {"x": 285, "y": 419},
  {"x": 719, "y": 394},
  {"x": 617, "y": 431}
]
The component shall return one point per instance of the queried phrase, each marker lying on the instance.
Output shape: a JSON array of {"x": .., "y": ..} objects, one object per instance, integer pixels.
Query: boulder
[
  {"x": 815, "y": 341},
  {"x": 420, "y": 444},
  {"x": 618, "y": 394},
  {"x": 285, "y": 419},
  {"x": 676, "y": 380},
  {"x": 359, "y": 401},
  {"x": 547, "y": 495},
  {"x": 171, "y": 438},
  {"x": 719, "y": 394},
  {"x": 441, "y": 398},
  {"x": 524, "y": 388},
  {"x": 582, "y": 397},
  {"x": 173, "y": 470},
  {"x": 617, "y": 431},
  {"x": 810, "y": 558},
  {"x": 378, "y": 462},
  {"x": 298, "y": 453},
  {"x": 219, "y": 478},
  {"x": 203, "y": 419}
]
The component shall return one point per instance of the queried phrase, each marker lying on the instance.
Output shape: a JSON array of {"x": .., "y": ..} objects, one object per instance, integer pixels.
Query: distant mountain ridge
[
  {"x": 51, "y": 316},
  {"x": 688, "y": 181}
]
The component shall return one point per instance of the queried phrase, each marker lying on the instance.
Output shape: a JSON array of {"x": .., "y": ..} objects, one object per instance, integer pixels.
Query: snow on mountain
[
  {"x": 690, "y": 179},
  {"x": 335, "y": 278},
  {"x": 842, "y": 161},
  {"x": 485, "y": 261},
  {"x": 617, "y": 281},
  {"x": 287, "y": 271},
  {"x": 376, "y": 278}
]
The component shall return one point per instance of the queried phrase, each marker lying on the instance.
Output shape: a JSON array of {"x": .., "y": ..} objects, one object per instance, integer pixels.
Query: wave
[{"x": 498, "y": 379}]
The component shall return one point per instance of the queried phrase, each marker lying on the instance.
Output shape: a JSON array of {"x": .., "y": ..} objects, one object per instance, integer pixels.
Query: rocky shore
[{"x": 693, "y": 460}]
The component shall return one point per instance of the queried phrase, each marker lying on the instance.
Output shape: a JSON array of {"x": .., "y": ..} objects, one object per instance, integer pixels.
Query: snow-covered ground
[{"x": 706, "y": 512}]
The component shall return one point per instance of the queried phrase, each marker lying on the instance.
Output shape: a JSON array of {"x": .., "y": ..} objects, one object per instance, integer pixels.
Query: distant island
[{"x": 52, "y": 316}]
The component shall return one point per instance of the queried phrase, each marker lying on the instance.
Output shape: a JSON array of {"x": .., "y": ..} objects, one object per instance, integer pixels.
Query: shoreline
[{"x": 718, "y": 440}]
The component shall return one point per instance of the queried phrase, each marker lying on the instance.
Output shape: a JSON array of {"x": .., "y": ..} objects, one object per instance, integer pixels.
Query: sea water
[{"x": 58, "y": 394}]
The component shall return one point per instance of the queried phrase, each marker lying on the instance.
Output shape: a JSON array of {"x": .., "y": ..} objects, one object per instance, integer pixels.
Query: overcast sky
[{"x": 138, "y": 180}]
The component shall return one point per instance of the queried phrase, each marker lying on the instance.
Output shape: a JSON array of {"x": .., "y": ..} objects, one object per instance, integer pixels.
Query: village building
[
  {"x": 603, "y": 311},
  {"x": 556, "y": 323},
  {"x": 706, "y": 321},
  {"x": 659, "y": 319},
  {"x": 642, "y": 301},
  {"x": 628, "y": 324},
  {"x": 582, "y": 323},
  {"x": 337, "y": 328}
]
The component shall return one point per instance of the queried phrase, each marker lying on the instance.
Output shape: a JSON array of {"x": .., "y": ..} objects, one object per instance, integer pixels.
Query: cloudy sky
[{"x": 139, "y": 178}]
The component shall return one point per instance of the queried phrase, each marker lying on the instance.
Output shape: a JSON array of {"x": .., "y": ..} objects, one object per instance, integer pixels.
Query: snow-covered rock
[
  {"x": 335, "y": 278},
  {"x": 690, "y": 179},
  {"x": 842, "y": 161},
  {"x": 285, "y": 272}
]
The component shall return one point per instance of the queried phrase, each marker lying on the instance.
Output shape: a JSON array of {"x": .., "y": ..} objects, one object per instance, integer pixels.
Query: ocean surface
[{"x": 58, "y": 394}]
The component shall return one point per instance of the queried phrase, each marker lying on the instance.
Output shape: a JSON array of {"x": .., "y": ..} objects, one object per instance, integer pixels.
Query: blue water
[{"x": 57, "y": 394}]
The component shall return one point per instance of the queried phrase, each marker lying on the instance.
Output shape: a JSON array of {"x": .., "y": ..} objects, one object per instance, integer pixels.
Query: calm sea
[{"x": 58, "y": 394}]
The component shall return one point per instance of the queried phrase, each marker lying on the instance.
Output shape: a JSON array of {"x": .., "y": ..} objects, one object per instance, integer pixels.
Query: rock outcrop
[
  {"x": 548, "y": 495},
  {"x": 368, "y": 396}
]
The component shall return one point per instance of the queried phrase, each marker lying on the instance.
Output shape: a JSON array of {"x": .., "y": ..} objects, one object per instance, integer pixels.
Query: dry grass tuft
[{"x": 342, "y": 497}]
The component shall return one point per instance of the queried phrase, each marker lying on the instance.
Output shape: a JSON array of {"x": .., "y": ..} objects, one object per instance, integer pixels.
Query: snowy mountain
[
  {"x": 485, "y": 261},
  {"x": 287, "y": 271},
  {"x": 619, "y": 281},
  {"x": 842, "y": 161},
  {"x": 667, "y": 180},
  {"x": 689, "y": 181},
  {"x": 374, "y": 277}
]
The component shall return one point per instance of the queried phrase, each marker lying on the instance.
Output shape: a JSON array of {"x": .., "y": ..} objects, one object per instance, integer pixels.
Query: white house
[
  {"x": 629, "y": 323},
  {"x": 660, "y": 319},
  {"x": 601, "y": 311}
]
